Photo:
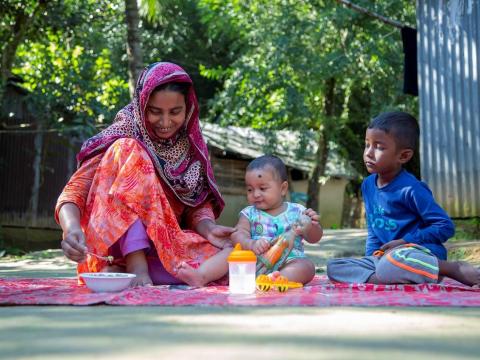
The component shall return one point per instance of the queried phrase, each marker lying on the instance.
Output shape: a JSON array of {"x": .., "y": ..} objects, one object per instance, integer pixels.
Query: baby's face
[{"x": 265, "y": 190}]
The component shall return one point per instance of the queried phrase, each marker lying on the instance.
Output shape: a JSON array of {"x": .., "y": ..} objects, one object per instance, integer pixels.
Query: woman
[{"x": 139, "y": 180}]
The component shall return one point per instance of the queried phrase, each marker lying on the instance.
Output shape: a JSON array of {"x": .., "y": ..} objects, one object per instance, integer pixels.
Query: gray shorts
[{"x": 407, "y": 264}]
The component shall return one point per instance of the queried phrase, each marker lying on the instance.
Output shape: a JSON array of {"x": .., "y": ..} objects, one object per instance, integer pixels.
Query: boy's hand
[
  {"x": 393, "y": 244},
  {"x": 260, "y": 246}
]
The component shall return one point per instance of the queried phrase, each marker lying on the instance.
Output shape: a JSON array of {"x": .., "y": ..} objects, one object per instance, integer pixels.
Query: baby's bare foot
[
  {"x": 142, "y": 279},
  {"x": 189, "y": 275}
]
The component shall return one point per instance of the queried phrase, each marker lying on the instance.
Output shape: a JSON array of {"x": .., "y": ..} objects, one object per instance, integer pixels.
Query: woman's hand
[
  {"x": 73, "y": 243},
  {"x": 217, "y": 235}
]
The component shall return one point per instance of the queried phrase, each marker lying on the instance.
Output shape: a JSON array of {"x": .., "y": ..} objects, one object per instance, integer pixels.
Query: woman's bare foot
[
  {"x": 461, "y": 271},
  {"x": 141, "y": 280},
  {"x": 114, "y": 269},
  {"x": 137, "y": 264},
  {"x": 191, "y": 276}
]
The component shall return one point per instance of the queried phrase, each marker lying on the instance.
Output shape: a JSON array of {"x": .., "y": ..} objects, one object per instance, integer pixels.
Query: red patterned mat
[{"x": 320, "y": 292}]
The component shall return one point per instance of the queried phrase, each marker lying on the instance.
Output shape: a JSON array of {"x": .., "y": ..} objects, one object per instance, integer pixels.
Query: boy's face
[
  {"x": 264, "y": 189},
  {"x": 381, "y": 154}
]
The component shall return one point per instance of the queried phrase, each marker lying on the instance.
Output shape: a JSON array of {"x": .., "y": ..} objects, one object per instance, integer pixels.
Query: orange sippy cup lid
[{"x": 239, "y": 255}]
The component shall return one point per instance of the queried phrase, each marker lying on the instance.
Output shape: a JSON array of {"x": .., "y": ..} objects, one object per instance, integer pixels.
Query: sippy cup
[{"x": 241, "y": 271}]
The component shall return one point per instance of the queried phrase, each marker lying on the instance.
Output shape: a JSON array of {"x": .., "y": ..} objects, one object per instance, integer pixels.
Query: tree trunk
[
  {"x": 322, "y": 150},
  {"x": 318, "y": 171},
  {"x": 18, "y": 31},
  {"x": 37, "y": 174},
  {"x": 134, "y": 45}
]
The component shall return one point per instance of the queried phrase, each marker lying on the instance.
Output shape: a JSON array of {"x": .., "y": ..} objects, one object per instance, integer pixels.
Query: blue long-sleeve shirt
[{"x": 405, "y": 209}]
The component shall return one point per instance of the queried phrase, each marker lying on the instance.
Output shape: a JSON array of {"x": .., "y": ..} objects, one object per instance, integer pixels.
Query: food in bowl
[{"x": 107, "y": 282}]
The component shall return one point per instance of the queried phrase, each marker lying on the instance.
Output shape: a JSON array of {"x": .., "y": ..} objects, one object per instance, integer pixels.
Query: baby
[
  {"x": 269, "y": 217},
  {"x": 261, "y": 224}
]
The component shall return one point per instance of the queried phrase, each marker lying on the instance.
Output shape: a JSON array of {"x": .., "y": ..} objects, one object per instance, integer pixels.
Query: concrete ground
[{"x": 110, "y": 332}]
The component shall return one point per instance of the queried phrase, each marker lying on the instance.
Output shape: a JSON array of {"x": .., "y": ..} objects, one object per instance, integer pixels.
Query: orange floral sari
[
  {"x": 125, "y": 188},
  {"x": 126, "y": 174}
]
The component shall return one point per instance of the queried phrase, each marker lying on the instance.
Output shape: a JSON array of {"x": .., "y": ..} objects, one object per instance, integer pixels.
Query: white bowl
[{"x": 107, "y": 282}]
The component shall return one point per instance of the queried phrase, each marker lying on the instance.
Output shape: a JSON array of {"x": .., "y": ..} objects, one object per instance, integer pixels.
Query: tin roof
[{"x": 296, "y": 149}]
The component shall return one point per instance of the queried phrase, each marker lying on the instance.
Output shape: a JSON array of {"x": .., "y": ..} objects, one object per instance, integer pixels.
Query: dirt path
[
  {"x": 109, "y": 332},
  {"x": 52, "y": 263},
  {"x": 103, "y": 332}
]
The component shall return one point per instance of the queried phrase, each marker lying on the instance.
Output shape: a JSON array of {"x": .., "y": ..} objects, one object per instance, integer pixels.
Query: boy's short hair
[
  {"x": 277, "y": 165},
  {"x": 402, "y": 126}
]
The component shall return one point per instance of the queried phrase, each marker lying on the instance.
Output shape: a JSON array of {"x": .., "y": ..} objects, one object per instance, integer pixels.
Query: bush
[{"x": 467, "y": 229}]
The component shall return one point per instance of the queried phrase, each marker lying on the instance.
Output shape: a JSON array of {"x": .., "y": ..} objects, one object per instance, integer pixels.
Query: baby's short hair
[
  {"x": 402, "y": 126},
  {"x": 277, "y": 165}
]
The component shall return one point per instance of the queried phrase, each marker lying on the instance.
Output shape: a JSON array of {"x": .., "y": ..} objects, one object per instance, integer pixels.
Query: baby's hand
[
  {"x": 260, "y": 246},
  {"x": 298, "y": 230},
  {"x": 312, "y": 214},
  {"x": 311, "y": 230}
]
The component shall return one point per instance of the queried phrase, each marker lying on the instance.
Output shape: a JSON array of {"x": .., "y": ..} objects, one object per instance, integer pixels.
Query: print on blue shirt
[
  {"x": 378, "y": 220},
  {"x": 404, "y": 209}
]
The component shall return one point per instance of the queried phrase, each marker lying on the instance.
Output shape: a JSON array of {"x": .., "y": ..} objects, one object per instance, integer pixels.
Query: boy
[{"x": 406, "y": 227}]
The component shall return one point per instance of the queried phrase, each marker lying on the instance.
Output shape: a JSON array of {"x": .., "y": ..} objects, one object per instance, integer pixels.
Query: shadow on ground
[
  {"x": 52, "y": 263},
  {"x": 336, "y": 243},
  {"x": 110, "y": 332},
  {"x": 237, "y": 333}
]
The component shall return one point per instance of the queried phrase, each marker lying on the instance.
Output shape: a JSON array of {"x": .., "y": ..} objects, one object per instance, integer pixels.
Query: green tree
[
  {"x": 19, "y": 21},
  {"x": 73, "y": 71},
  {"x": 176, "y": 31},
  {"x": 76, "y": 71},
  {"x": 134, "y": 43},
  {"x": 305, "y": 65}
]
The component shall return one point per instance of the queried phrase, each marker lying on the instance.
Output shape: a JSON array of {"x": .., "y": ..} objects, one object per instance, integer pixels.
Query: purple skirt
[{"x": 136, "y": 238}]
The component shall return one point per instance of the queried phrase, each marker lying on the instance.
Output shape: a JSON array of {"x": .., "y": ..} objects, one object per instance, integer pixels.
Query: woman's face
[{"x": 166, "y": 113}]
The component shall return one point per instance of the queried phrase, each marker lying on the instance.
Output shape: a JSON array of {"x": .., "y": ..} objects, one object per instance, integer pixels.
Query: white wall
[{"x": 331, "y": 196}]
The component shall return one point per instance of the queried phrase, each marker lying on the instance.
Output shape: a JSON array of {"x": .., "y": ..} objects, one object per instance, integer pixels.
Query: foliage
[
  {"x": 466, "y": 229},
  {"x": 185, "y": 41},
  {"x": 292, "y": 49},
  {"x": 75, "y": 64},
  {"x": 266, "y": 64},
  {"x": 76, "y": 70}
]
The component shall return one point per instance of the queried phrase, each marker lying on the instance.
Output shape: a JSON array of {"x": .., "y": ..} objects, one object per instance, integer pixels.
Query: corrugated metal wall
[{"x": 449, "y": 89}]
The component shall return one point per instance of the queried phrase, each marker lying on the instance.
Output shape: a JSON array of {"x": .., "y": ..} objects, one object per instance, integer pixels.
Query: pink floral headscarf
[{"x": 181, "y": 161}]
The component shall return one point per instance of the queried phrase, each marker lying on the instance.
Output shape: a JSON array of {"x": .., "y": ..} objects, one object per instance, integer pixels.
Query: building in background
[{"x": 232, "y": 148}]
